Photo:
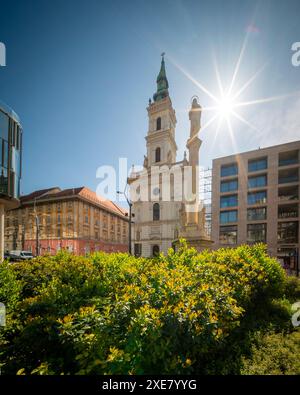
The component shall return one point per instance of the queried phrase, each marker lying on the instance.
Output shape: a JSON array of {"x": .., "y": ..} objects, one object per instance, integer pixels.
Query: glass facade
[
  {"x": 228, "y": 216},
  {"x": 229, "y": 186},
  {"x": 257, "y": 197},
  {"x": 229, "y": 170},
  {"x": 257, "y": 164},
  {"x": 257, "y": 182},
  {"x": 256, "y": 233},
  {"x": 10, "y": 154},
  {"x": 228, "y": 201},
  {"x": 228, "y": 234},
  {"x": 257, "y": 214}
]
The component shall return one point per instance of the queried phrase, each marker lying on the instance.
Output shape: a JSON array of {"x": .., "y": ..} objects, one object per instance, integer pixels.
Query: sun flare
[{"x": 225, "y": 106}]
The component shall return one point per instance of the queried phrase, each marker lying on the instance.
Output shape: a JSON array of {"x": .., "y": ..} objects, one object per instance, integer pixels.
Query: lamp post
[
  {"x": 37, "y": 225},
  {"x": 130, "y": 216}
]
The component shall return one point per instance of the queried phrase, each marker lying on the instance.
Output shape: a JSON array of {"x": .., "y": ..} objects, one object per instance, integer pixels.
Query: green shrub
[
  {"x": 116, "y": 314},
  {"x": 274, "y": 354}
]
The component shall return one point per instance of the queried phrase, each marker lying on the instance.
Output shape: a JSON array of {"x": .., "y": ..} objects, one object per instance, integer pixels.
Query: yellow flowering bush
[{"x": 185, "y": 312}]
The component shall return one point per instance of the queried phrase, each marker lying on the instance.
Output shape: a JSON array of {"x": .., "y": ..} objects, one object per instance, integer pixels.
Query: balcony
[
  {"x": 288, "y": 211},
  {"x": 288, "y": 232},
  {"x": 288, "y": 158},
  {"x": 288, "y": 176},
  {"x": 288, "y": 193}
]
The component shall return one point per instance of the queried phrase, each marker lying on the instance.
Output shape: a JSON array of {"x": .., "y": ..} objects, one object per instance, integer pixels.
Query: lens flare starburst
[{"x": 227, "y": 104}]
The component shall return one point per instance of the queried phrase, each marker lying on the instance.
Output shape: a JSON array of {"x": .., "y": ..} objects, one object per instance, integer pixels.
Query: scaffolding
[{"x": 205, "y": 180}]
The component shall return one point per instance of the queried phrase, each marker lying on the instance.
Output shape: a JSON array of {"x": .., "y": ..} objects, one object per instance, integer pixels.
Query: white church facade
[{"x": 164, "y": 194}]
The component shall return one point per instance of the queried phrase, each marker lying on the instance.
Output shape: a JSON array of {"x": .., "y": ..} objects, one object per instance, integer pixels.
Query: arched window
[
  {"x": 155, "y": 250},
  {"x": 156, "y": 213},
  {"x": 157, "y": 154},
  {"x": 158, "y": 123}
]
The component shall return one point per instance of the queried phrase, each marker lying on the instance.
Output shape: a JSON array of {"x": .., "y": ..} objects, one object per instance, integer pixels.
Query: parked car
[{"x": 17, "y": 255}]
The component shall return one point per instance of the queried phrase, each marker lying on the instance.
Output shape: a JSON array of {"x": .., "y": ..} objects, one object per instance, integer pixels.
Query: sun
[{"x": 225, "y": 106}]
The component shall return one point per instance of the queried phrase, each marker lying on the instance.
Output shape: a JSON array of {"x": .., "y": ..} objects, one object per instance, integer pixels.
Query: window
[
  {"x": 288, "y": 158},
  {"x": 4, "y": 125},
  {"x": 257, "y": 214},
  {"x": 86, "y": 219},
  {"x": 228, "y": 201},
  {"x": 228, "y": 216},
  {"x": 257, "y": 197},
  {"x": 156, "y": 213},
  {"x": 58, "y": 232},
  {"x": 155, "y": 250},
  {"x": 257, "y": 182},
  {"x": 138, "y": 235},
  {"x": 157, "y": 154},
  {"x": 229, "y": 170},
  {"x": 256, "y": 233},
  {"x": 228, "y": 234},
  {"x": 158, "y": 123},
  {"x": 288, "y": 232},
  {"x": 137, "y": 249},
  {"x": 228, "y": 186},
  {"x": 257, "y": 164},
  {"x": 286, "y": 176}
]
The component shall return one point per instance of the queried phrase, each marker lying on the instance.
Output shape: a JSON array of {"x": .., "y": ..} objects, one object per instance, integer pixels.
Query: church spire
[{"x": 162, "y": 82}]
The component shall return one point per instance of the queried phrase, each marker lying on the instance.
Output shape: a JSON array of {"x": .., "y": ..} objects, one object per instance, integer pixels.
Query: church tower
[
  {"x": 161, "y": 214},
  {"x": 161, "y": 145}
]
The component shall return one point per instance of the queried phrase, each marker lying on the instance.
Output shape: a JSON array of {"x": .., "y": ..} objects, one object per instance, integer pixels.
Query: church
[{"x": 165, "y": 193}]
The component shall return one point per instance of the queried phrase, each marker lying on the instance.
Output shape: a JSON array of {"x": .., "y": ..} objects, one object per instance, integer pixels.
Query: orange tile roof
[{"x": 82, "y": 192}]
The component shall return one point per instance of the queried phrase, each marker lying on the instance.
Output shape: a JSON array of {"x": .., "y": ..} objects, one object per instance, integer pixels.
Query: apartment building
[
  {"x": 74, "y": 219},
  {"x": 255, "y": 198}
]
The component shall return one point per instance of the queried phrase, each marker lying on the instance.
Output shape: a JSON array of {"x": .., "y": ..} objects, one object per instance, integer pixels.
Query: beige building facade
[
  {"x": 74, "y": 219},
  {"x": 255, "y": 198}
]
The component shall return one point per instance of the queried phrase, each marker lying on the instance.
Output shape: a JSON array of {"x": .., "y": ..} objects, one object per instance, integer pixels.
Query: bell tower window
[
  {"x": 156, "y": 213},
  {"x": 157, "y": 154},
  {"x": 158, "y": 123}
]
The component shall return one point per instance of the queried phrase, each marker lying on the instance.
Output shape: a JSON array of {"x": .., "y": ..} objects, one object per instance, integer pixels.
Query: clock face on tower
[{"x": 156, "y": 191}]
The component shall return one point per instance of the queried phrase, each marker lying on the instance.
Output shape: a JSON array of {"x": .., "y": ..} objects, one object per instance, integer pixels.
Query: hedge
[{"x": 185, "y": 312}]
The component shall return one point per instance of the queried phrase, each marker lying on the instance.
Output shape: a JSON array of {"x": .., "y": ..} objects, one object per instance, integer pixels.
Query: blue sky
[{"x": 80, "y": 73}]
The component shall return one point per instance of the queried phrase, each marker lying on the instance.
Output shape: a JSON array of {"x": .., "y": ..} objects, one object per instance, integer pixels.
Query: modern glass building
[
  {"x": 10, "y": 154},
  {"x": 256, "y": 198},
  {"x": 10, "y": 164}
]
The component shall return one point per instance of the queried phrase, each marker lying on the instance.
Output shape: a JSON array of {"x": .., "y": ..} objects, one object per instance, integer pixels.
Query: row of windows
[
  {"x": 255, "y": 233},
  {"x": 253, "y": 198},
  {"x": 287, "y": 232},
  {"x": 253, "y": 214},
  {"x": 253, "y": 182},
  {"x": 284, "y": 159},
  {"x": 253, "y": 165}
]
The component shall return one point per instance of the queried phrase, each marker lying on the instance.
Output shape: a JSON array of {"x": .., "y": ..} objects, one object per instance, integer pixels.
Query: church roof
[{"x": 162, "y": 83}]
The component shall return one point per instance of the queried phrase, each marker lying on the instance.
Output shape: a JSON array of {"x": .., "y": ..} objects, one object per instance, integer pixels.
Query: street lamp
[{"x": 130, "y": 216}]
